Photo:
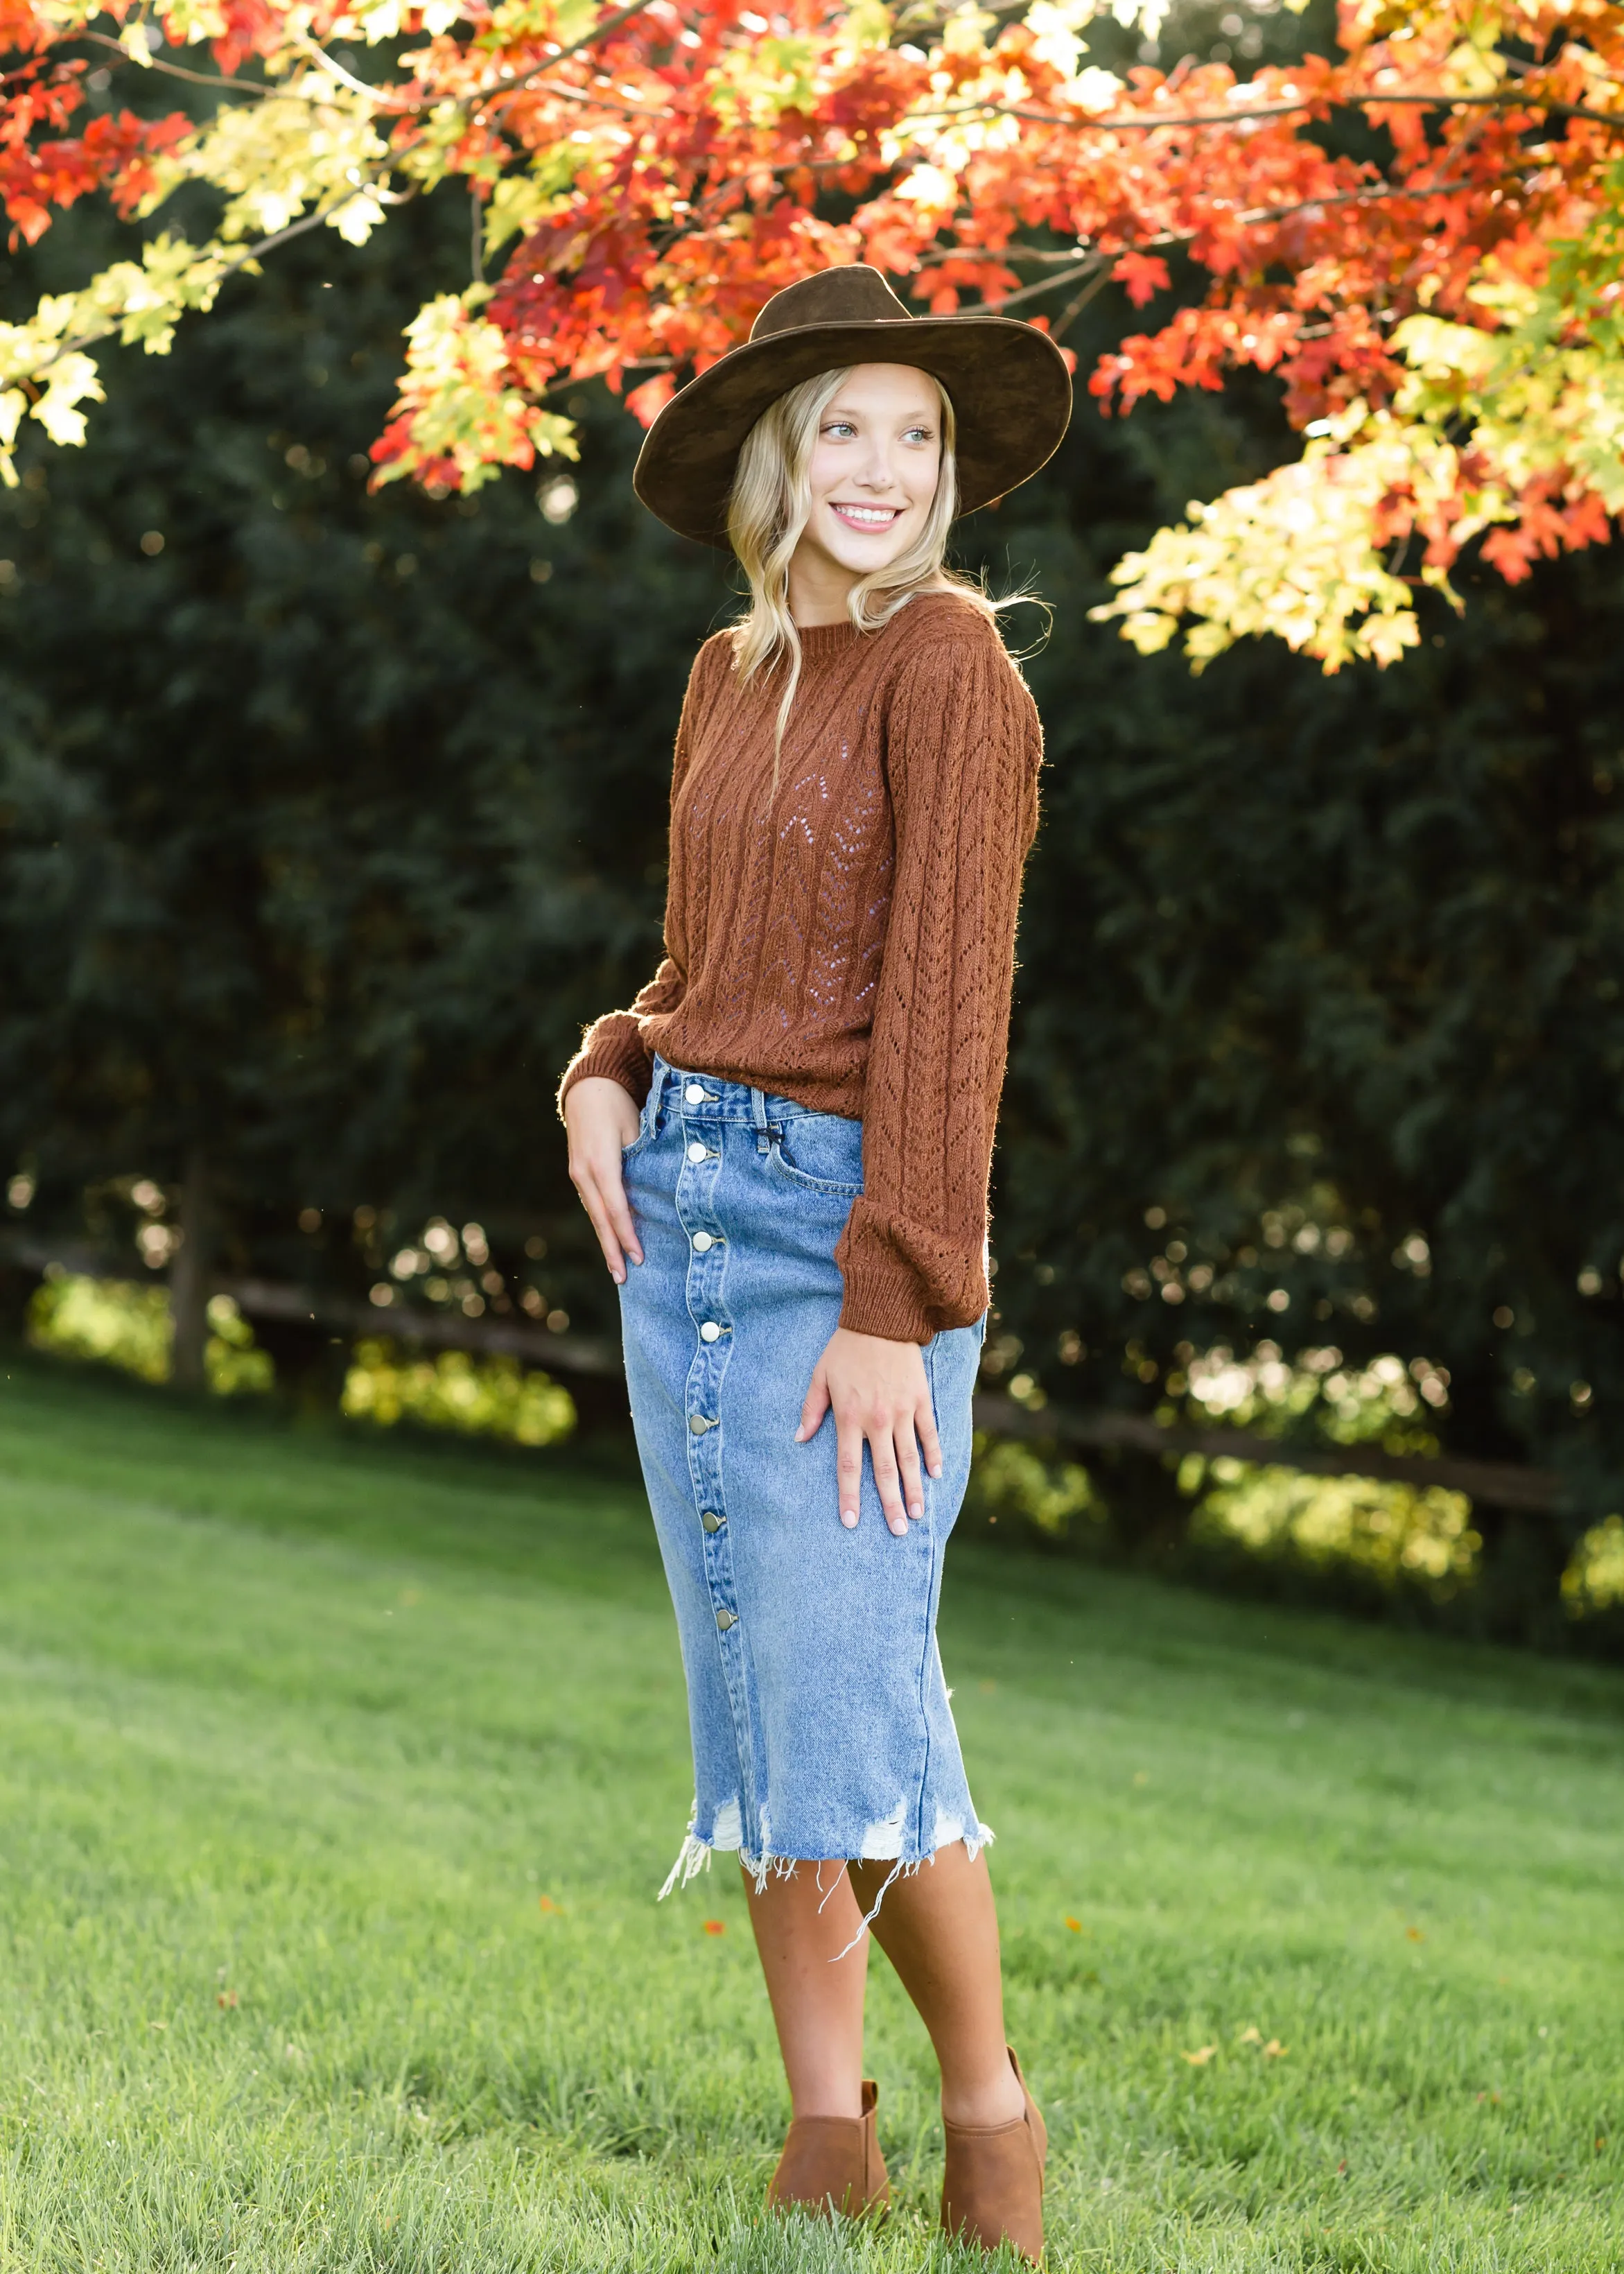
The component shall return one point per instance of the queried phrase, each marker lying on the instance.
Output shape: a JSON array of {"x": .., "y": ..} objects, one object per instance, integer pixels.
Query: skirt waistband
[{"x": 707, "y": 1097}]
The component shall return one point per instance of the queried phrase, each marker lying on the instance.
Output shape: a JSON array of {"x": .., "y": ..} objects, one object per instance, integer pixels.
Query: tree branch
[{"x": 1512, "y": 99}]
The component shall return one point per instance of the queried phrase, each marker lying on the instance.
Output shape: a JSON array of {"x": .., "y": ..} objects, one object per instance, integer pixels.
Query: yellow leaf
[{"x": 1201, "y": 2057}]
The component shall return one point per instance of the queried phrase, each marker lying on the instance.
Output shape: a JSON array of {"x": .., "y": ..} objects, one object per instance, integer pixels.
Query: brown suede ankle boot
[
  {"x": 833, "y": 2164},
  {"x": 992, "y": 2189}
]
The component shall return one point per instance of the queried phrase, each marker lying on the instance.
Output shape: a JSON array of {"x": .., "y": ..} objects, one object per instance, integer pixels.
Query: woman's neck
[
  {"x": 817, "y": 598},
  {"x": 820, "y": 591}
]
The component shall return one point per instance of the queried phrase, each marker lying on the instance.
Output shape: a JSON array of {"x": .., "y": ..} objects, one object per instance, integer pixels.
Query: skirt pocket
[{"x": 822, "y": 1153}]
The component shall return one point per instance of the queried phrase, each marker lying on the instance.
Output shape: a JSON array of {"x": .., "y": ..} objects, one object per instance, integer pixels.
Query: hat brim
[{"x": 1008, "y": 384}]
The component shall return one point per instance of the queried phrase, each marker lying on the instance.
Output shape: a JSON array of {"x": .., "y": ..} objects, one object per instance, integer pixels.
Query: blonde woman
[{"x": 784, "y": 1148}]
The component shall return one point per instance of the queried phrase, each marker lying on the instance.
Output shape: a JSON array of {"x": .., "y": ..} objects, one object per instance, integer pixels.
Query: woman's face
[{"x": 874, "y": 467}]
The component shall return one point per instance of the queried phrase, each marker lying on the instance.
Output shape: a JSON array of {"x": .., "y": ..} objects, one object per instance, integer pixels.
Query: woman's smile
[{"x": 866, "y": 516}]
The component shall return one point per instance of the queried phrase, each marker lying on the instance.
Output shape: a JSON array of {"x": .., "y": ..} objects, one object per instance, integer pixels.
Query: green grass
[{"x": 309, "y": 1725}]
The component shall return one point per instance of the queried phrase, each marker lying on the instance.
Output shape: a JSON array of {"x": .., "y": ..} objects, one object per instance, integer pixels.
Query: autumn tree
[{"x": 1443, "y": 315}]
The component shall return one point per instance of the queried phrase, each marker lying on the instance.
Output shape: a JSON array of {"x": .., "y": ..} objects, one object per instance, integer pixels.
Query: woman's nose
[{"x": 876, "y": 472}]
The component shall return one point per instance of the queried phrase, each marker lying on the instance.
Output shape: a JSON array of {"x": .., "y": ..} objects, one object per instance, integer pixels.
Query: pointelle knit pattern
[{"x": 849, "y": 941}]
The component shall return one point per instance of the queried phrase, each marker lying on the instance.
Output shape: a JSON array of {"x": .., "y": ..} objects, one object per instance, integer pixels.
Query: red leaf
[{"x": 1145, "y": 274}]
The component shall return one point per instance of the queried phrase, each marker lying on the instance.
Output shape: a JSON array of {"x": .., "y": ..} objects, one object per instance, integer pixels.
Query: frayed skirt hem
[{"x": 694, "y": 1854}]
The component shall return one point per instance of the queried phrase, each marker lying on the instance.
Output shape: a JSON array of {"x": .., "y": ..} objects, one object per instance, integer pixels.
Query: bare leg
[
  {"x": 939, "y": 1928},
  {"x": 817, "y": 1996}
]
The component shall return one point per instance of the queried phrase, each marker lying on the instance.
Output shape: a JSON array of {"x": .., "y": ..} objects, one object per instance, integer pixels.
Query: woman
[{"x": 783, "y": 1148}]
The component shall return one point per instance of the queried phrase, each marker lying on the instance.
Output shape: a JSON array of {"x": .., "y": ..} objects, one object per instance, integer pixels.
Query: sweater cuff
[
  {"x": 886, "y": 1304},
  {"x": 906, "y": 1281},
  {"x": 613, "y": 1050}
]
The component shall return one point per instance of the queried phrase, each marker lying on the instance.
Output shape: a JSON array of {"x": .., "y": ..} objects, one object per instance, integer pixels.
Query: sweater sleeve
[
  {"x": 614, "y": 1045},
  {"x": 963, "y": 747}
]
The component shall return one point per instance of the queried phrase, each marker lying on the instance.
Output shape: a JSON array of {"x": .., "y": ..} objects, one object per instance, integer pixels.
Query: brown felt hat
[{"x": 1007, "y": 381}]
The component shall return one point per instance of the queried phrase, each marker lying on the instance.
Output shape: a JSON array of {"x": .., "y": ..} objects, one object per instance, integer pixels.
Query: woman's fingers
[
  {"x": 894, "y": 1455},
  {"x": 602, "y": 1122},
  {"x": 848, "y": 1465},
  {"x": 602, "y": 1188},
  {"x": 621, "y": 1220},
  {"x": 907, "y": 1467},
  {"x": 882, "y": 1453},
  {"x": 930, "y": 1443},
  {"x": 603, "y": 1223},
  {"x": 816, "y": 1406},
  {"x": 880, "y": 1395}
]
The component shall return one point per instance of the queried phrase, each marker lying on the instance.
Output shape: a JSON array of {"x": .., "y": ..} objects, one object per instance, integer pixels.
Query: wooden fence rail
[{"x": 1502, "y": 1484}]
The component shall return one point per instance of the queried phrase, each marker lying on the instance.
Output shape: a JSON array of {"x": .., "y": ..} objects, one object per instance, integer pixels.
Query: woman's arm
[
  {"x": 602, "y": 1122},
  {"x": 962, "y": 752},
  {"x": 604, "y": 1084},
  {"x": 963, "y": 747}
]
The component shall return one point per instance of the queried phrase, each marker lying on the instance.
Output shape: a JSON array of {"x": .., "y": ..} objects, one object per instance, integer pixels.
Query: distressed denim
[{"x": 819, "y": 1714}]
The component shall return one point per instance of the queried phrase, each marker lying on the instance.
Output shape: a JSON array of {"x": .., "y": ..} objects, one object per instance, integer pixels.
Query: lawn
[{"x": 337, "y": 1775}]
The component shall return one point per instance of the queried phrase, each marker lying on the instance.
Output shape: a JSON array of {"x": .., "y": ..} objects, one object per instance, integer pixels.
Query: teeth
[{"x": 880, "y": 517}]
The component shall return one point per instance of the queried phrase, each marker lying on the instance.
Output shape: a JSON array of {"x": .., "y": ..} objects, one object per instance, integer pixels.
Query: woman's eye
[
  {"x": 919, "y": 434},
  {"x": 840, "y": 427}
]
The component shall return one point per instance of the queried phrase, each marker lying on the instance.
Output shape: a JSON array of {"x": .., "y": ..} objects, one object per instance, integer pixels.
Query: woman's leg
[
  {"x": 939, "y": 1928},
  {"x": 802, "y": 1924}
]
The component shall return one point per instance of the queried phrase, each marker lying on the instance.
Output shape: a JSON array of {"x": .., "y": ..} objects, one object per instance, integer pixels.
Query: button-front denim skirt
[{"x": 820, "y": 1718}]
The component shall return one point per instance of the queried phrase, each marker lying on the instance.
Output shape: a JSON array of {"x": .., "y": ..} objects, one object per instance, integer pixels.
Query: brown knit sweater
[{"x": 849, "y": 943}]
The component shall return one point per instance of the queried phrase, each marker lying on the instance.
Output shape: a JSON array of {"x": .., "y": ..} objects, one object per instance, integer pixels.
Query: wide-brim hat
[{"x": 1007, "y": 381}]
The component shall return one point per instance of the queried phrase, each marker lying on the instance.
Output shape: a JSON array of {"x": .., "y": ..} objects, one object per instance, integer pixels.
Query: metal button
[
  {"x": 710, "y": 1332},
  {"x": 712, "y": 1521},
  {"x": 695, "y": 1094},
  {"x": 698, "y": 1152},
  {"x": 726, "y": 1619},
  {"x": 702, "y": 1243},
  {"x": 697, "y": 1425}
]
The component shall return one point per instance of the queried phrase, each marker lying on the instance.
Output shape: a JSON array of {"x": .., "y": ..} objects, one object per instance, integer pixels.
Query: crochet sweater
[{"x": 849, "y": 943}]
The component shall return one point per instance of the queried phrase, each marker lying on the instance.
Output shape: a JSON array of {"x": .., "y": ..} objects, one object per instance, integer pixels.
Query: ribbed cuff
[
  {"x": 885, "y": 1304},
  {"x": 612, "y": 1058},
  {"x": 905, "y": 1280}
]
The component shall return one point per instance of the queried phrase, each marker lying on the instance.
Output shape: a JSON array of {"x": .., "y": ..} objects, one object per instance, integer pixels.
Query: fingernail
[
  {"x": 619, "y": 1278},
  {"x": 848, "y": 1517},
  {"x": 935, "y": 1468},
  {"x": 799, "y": 1435},
  {"x": 916, "y": 1511}
]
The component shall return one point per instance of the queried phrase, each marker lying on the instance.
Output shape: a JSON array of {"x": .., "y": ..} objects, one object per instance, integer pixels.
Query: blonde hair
[{"x": 768, "y": 509}]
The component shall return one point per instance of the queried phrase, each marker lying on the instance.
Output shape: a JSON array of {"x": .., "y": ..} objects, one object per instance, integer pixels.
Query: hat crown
[{"x": 852, "y": 294}]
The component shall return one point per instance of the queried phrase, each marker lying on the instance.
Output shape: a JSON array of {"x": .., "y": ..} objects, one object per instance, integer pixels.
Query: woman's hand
[
  {"x": 602, "y": 1122},
  {"x": 878, "y": 1392}
]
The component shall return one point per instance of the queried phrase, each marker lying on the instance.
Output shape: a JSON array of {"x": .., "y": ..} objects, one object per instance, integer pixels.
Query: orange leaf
[
  {"x": 1076, "y": 1925},
  {"x": 1144, "y": 274},
  {"x": 645, "y": 402},
  {"x": 715, "y": 1926}
]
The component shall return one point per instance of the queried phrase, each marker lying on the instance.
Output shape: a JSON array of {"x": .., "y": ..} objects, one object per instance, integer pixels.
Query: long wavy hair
[{"x": 768, "y": 511}]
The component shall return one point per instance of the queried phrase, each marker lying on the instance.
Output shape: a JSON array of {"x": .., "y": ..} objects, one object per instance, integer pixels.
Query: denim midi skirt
[{"x": 819, "y": 1715}]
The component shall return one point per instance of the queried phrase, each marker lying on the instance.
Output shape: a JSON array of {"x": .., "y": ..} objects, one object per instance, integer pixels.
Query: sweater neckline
[{"x": 821, "y": 642}]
